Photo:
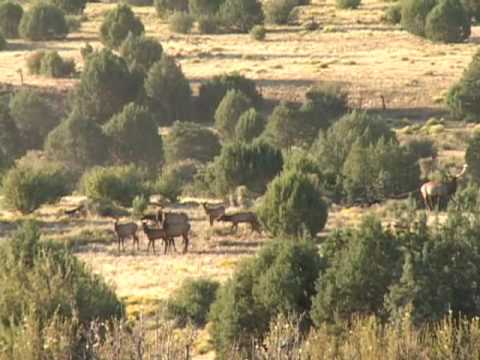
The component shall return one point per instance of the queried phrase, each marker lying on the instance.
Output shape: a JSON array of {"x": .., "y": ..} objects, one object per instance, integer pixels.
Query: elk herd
[{"x": 166, "y": 226}]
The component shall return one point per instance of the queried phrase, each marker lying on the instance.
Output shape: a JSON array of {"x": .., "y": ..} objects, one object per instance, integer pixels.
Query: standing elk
[
  {"x": 242, "y": 217},
  {"x": 214, "y": 212},
  {"x": 156, "y": 234},
  {"x": 177, "y": 224},
  {"x": 124, "y": 231},
  {"x": 433, "y": 191}
]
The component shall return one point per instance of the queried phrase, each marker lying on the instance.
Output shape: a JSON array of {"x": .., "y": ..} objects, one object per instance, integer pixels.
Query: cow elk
[
  {"x": 434, "y": 191},
  {"x": 242, "y": 217},
  {"x": 125, "y": 231},
  {"x": 156, "y": 234},
  {"x": 177, "y": 224},
  {"x": 214, "y": 212}
]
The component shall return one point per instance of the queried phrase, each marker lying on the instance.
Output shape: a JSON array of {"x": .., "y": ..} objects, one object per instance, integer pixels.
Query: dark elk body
[
  {"x": 173, "y": 225},
  {"x": 214, "y": 212},
  {"x": 125, "y": 231},
  {"x": 242, "y": 217}
]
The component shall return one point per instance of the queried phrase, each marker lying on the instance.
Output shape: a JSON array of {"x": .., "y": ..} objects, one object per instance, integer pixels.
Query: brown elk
[
  {"x": 213, "y": 211},
  {"x": 242, "y": 217},
  {"x": 177, "y": 224},
  {"x": 433, "y": 191},
  {"x": 156, "y": 234},
  {"x": 124, "y": 231}
]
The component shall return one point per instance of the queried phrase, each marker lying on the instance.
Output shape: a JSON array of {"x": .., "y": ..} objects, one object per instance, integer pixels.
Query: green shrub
[
  {"x": 10, "y": 16},
  {"x": 27, "y": 186},
  {"x": 70, "y": 6},
  {"x": 86, "y": 51},
  {"x": 10, "y": 142},
  {"x": 241, "y": 15},
  {"x": 463, "y": 98},
  {"x": 166, "y": 7},
  {"x": 232, "y": 106},
  {"x": 448, "y": 22},
  {"x": 363, "y": 265},
  {"x": 278, "y": 11},
  {"x": 421, "y": 147},
  {"x": 191, "y": 141},
  {"x": 250, "y": 125},
  {"x": 139, "y": 205},
  {"x": 472, "y": 7},
  {"x": 141, "y": 52},
  {"x": 348, "y": 4},
  {"x": 169, "y": 186},
  {"x": 3, "y": 43},
  {"x": 213, "y": 91},
  {"x": 293, "y": 204},
  {"x": 74, "y": 23},
  {"x": 178, "y": 178},
  {"x": 78, "y": 142},
  {"x": 258, "y": 32},
  {"x": 43, "y": 21},
  {"x": 27, "y": 107},
  {"x": 472, "y": 156},
  {"x": 252, "y": 165},
  {"x": 169, "y": 91},
  {"x": 140, "y": 2},
  {"x": 286, "y": 128},
  {"x": 280, "y": 280},
  {"x": 44, "y": 281},
  {"x": 180, "y": 22},
  {"x": 200, "y": 8},
  {"x": 134, "y": 137},
  {"x": 393, "y": 14},
  {"x": 105, "y": 87},
  {"x": 116, "y": 183},
  {"x": 51, "y": 64},
  {"x": 414, "y": 15},
  {"x": 117, "y": 24},
  {"x": 208, "y": 24},
  {"x": 191, "y": 302}
]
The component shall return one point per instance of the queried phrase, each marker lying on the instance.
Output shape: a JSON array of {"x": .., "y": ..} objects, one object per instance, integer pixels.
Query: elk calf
[
  {"x": 155, "y": 234},
  {"x": 242, "y": 217},
  {"x": 214, "y": 212},
  {"x": 124, "y": 231}
]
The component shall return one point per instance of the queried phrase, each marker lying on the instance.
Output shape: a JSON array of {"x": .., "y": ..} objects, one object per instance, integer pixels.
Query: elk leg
[
  {"x": 185, "y": 241},
  {"x": 136, "y": 242},
  {"x": 172, "y": 243},
  {"x": 165, "y": 246},
  {"x": 211, "y": 220}
]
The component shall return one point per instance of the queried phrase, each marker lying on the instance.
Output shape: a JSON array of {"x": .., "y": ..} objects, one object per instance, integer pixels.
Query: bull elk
[
  {"x": 125, "y": 231},
  {"x": 242, "y": 217},
  {"x": 433, "y": 191},
  {"x": 213, "y": 211}
]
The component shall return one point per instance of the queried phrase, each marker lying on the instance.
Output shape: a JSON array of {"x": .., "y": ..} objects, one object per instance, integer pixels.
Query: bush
[
  {"x": 165, "y": 7},
  {"x": 139, "y": 205},
  {"x": 141, "y": 52},
  {"x": 117, "y": 24},
  {"x": 448, "y": 22},
  {"x": 241, "y": 15},
  {"x": 208, "y": 24},
  {"x": 74, "y": 23},
  {"x": 10, "y": 142},
  {"x": 134, "y": 137},
  {"x": 213, "y": 91},
  {"x": 169, "y": 91},
  {"x": 27, "y": 186},
  {"x": 177, "y": 178},
  {"x": 472, "y": 7},
  {"x": 232, "y": 106},
  {"x": 393, "y": 14},
  {"x": 10, "y": 16},
  {"x": 180, "y": 22},
  {"x": 105, "y": 87},
  {"x": 421, "y": 147},
  {"x": 463, "y": 98},
  {"x": 252, "y": 165},
  {"x": 46, "y": 282},
  {"x": 293, "y": 204},
  {"x": 258, "y": 32},
  {"x": 27, "y": 107},
  {"x": 250, "y": 125},
  {"x": 49, "y": 63},
  {"x": 278, "y": 11},
  {"x": 169, "y": 186},
  {"x": 280, "y": 280},
  {"x": 86, "y": 51},
  {"x": 43, "y": 21},
  {"x": 472, "y": 156},
  {"x": 200, "y": 8},
  {"x": 191, "y": 141},
  {"x": 364, "y": 263},
  {"x": 3, "y": 43},
  {"x": 78, "y": 142},
  {"x": 191, "y": 302},
  {"x": 414, "y": 15},
  {"x": 120, "y": 184},
  {"x": 70, "y": 6},
  {"x": 140, "y": 2},
  {"x": 348, "y": 4},
  {"x": 286, "y": 128}
]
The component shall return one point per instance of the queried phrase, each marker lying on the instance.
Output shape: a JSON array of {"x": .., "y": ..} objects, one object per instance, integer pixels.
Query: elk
[
  {"x": 242, "y": 217},
  {"x": 213, "y": 211},
  {"x": 72, "y": 212},
  {"x": 434, "y": 191},
  {"x": 155, "y": 234},
  {"x": 177, "y": 224},
  {"x": 124, "y": 231}
]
